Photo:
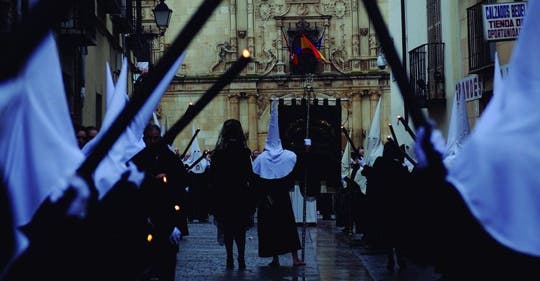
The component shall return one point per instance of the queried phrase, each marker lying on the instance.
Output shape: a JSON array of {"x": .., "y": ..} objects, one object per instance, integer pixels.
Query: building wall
[
  {"x": 456, "y": 58},
  {"x": 349, "y": 44}
]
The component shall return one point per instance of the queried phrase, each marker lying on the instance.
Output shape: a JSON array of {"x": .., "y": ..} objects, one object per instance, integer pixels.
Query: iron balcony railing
[
  {"x": 426, "y": 66},
  {"x": 480, "y": 51}
]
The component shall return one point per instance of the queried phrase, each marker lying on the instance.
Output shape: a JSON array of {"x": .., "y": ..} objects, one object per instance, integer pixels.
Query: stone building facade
[{"x": 268, "y": 29}]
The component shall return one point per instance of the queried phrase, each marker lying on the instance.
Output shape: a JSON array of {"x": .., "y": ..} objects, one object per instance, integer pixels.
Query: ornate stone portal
[{"x": 267, "y": 28}]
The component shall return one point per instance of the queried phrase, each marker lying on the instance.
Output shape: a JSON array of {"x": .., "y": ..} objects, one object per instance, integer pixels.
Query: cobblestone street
[{"x": 328, "y": 255}]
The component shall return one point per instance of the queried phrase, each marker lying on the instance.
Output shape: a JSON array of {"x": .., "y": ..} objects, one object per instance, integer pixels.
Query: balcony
[
  {"x": 124, "y": 21},
  {"x": 79, "y": 28},
  {"x": 112, "y": 7},
  {"x": 480, "y": 51},
  {"x": 426, "y": 64}
]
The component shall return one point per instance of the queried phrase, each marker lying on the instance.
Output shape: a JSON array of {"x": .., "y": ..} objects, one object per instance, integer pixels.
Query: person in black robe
[
  {"x": 477, "y": 217},
  {"x": 164, "y": 191},
  {"x": 387, "y": 185},
  {"x": 232, "y": 196},
  {"x": 276, "y": 225}
]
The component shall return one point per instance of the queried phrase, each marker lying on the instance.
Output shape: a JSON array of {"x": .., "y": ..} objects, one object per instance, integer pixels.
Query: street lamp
[{"x": 162, "y": 15}]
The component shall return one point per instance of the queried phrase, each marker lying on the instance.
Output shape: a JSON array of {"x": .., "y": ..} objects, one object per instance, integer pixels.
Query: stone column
[
  {"x": 252, "y": 122},
  {"x": 234, "y": 106},
  {"x": 279, "y": 42},
  {"x": 356, "y": 117}
]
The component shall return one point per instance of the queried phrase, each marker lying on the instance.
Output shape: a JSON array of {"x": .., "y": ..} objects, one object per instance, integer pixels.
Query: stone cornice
[{"x": 289, "y": 78}]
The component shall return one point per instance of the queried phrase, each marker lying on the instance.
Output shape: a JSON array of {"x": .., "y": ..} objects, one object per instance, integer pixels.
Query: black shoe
[
  {"x": 402, "y": 265},
  {"x": 274, "y": 264},
  {"x": 241, "y": 264},
  {"x": 390, "y": 266},
  {"x": 230, "y": 264}
]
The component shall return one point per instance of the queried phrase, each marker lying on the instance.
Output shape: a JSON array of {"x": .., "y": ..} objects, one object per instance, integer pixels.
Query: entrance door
[{"x": 322, "y": 162}]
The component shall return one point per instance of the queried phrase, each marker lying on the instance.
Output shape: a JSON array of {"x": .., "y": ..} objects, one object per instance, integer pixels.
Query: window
[{"x": 303, "y": 61}]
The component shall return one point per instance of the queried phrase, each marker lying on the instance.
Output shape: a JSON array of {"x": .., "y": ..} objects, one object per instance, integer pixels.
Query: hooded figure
[
  {"x": 484, "y": 207},
  {"x": 232, "y": 197},
  {"x": 276, "y": 225},
  {"x": 198, "y": 182}
]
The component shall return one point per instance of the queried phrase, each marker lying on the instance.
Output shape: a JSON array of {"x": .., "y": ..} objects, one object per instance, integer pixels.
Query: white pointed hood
[
  {"x": 145, "y": 113},
  {"x": 492, "y": 114},
  {"x": 497, "y": 171},
  {"x": 274, "y": 162},
  {"x": 374, "y": 146},
  {"x": 458, "y": 130},
  {"x": 109, "y": 87},
  {"x": 37, "y": 140}
]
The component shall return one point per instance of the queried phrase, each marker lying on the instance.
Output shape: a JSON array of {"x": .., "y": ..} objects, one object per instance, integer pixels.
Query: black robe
[
  {"x": 232, "y": 196},
  {"x": 276, "y": 226},
  {"x": 443, "y": 232}
]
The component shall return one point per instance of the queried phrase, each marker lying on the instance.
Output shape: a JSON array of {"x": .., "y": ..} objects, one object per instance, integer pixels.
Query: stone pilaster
[
  {"x": 252, "y": 122},
  {"x": 234, "y": 106},
  {"x": 356, "y": 118}
]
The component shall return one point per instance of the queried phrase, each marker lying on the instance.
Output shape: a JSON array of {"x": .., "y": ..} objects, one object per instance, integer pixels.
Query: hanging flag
[
  {"x": 305, "y": 43},
  {"x": 293, "y": 56}
]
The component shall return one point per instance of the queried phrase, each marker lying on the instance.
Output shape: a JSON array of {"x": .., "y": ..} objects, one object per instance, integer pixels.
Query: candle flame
[
  {"x": 177, "y": 208},
  {"x": 149, "y": 237},
  {"x": 164, "y": 179},
  {"x": 246, "y": 53}
]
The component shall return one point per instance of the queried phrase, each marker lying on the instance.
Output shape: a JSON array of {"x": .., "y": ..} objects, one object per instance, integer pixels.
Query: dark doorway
[{"x": 322, "y": 162}]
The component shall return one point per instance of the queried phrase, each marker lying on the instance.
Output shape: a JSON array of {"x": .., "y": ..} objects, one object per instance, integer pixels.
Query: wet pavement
[{"x": 330, "y": 254}]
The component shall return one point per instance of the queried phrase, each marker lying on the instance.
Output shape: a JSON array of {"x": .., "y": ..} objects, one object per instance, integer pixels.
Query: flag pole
[
  {"x": 393, "y": 60},
  {"x": 307, "y": 144},
  {"x": 393, "y": 133},
  {"x": 27, "y": 35},
  {"x": 141, "y": 93}
]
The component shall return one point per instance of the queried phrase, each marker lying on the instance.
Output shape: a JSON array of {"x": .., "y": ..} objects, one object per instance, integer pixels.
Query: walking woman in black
[{"x": 233, "y": 204}]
